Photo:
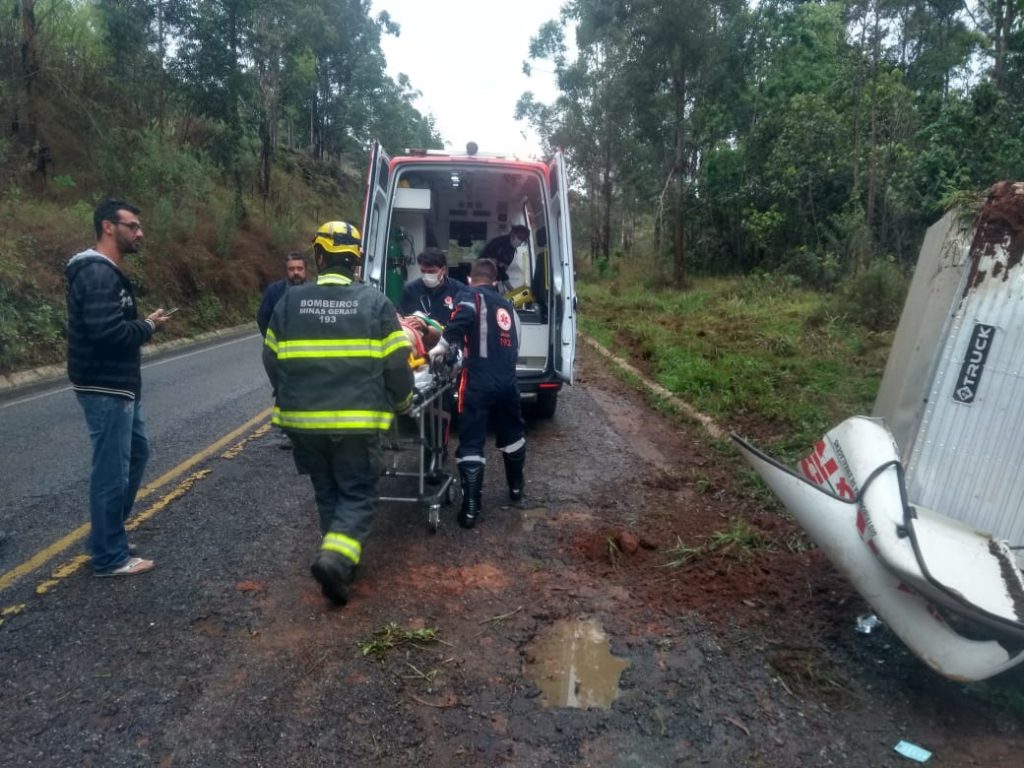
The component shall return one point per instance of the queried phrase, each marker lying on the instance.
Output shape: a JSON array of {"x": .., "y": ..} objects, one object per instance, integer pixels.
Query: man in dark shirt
[
  {"x": 434, "y": 292},
  {"x": 295, "y": 264},
  {"x": 502, "y": 249}
]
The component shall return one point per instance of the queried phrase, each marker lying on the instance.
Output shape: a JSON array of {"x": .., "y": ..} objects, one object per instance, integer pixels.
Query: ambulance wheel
[{"x": 547, "y": 402}]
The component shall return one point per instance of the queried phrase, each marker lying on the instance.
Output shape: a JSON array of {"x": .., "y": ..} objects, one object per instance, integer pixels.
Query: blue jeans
[{"x": 120, "y": 450}]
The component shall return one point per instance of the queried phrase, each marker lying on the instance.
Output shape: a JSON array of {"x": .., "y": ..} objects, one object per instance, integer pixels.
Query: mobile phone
[{"x": 171, "y": 311}]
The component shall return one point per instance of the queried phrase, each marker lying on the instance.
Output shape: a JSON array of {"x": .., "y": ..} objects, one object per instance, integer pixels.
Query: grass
[
  {"x": 391, "y": 636},
  {"x": 739, "y": 541},
  {"x": 680, "y": 555},
  {"x": 751, "y": 352}
]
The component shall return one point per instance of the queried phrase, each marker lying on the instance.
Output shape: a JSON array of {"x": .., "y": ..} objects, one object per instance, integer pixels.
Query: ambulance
[{"x": 459, "y": 202}]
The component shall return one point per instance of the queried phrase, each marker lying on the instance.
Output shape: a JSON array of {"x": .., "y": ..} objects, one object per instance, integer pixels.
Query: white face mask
[{"x": 432, "y": 279}]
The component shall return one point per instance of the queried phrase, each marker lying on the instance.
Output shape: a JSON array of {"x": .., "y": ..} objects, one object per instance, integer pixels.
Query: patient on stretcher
[{"x": 423, "y": 333}]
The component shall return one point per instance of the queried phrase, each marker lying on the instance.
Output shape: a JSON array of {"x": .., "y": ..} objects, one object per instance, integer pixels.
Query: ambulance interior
[{"x": 459, "y": 210}]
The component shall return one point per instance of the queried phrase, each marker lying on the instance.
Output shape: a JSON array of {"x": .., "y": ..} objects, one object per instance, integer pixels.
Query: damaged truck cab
[{"x": 458, "y": 203}]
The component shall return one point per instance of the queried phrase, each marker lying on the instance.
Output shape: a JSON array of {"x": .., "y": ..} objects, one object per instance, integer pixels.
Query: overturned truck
[{"x": 921, "y": 505}]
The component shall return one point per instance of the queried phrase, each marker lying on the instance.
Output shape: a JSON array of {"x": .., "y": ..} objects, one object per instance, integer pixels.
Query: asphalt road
[{"x": 191, "y": 398}]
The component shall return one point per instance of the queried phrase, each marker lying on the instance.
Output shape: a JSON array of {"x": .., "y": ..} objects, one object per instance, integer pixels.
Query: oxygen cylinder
[{"x": 394, "y": 279}]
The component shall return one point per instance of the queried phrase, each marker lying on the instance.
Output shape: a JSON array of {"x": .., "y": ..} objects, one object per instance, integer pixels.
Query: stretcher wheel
[
  {"x": 450, "y": 493},
  {"x": 433, "y": 518}
]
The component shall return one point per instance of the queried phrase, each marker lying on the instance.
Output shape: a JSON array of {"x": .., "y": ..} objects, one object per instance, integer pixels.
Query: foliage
[
  {"x": 761, "y": 350},
  {"x": 738, "y": 542},
  {"x": 874, "y": 298},
  {"x": 811, "y": 138},
  {"x": 392, "y": 636}
]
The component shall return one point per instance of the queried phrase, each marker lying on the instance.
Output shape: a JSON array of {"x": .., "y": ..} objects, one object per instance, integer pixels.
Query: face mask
[{"x": 431, "y": 279}]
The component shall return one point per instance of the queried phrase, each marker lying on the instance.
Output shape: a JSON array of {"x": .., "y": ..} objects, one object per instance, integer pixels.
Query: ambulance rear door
[
  {"x": 376, "y": 214},
  {"x": 560, "y": 246}
]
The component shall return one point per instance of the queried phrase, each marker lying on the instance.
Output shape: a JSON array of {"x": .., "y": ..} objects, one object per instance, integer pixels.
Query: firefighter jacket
[
  {"x": 486, "y": 324},
  {"x": 337, "y": 358}
]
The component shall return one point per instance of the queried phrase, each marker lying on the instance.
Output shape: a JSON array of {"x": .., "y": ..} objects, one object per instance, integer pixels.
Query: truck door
[
  {"x": 375, "y": 217},
  {"x": 560, "y": 248}
]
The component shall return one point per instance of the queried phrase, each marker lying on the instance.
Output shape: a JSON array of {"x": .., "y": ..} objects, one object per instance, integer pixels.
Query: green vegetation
[
  {"x": 739, "y": 541},
  {"x": 758, "y": 353},
  {"x": 809, "y": 139},
  {"x": 392, "y": 636},
  {"x": 236, "y": 127}
]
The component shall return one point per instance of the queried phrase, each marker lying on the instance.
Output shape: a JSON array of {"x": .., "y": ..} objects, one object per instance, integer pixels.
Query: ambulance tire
[{"x": 547, "y": 402}]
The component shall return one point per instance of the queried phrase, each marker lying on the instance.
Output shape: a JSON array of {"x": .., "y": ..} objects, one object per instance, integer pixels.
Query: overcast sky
[{"x": 466, "y": 57}]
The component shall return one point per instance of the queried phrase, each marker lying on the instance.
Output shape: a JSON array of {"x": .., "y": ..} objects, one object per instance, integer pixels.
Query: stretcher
[{"x": 418, "y": 443}]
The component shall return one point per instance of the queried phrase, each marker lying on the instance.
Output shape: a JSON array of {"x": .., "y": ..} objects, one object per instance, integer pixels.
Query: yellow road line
[
  {"x": 64, "y": 570},
  {"x": 46, "y": 554}
]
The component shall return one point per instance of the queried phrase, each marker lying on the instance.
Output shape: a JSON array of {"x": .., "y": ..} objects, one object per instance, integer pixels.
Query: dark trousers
[
  {"x": 478, "y": 408},
  {"x": 345, "y": 471}
]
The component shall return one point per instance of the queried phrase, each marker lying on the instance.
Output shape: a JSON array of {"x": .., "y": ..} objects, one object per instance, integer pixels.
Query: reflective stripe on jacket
[
  {"x": 486, "y": 323},
  {"x": 337, "y": 358}
]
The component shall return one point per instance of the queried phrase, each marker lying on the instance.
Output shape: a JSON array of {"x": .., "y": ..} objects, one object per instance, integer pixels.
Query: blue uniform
[
  {"x": 486, "y": 325},
  {"x": 438, "y": 303}
]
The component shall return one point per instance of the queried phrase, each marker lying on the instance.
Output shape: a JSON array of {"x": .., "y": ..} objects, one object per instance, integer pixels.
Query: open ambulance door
[
  {"x": 375, "y": 218},
  {"x": 560, "y": 248}
]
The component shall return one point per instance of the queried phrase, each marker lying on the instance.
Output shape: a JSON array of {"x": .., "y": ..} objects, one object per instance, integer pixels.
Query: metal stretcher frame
[{"x": 433, "y": 424}]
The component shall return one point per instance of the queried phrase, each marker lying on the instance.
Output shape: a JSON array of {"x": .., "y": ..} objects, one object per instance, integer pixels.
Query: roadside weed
[
  {"x": 702, "y": 483},
  {"x": 680, "y": 555},
  {"x": 392, "y": 636},
  {"x": 740, "y": 539}
]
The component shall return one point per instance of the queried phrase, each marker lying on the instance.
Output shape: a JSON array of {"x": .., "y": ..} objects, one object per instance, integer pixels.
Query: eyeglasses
[{"x": 134, "y": 226}]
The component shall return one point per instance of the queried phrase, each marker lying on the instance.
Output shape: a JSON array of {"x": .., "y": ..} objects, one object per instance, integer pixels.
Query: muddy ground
[{"x": 744, "y": 655}]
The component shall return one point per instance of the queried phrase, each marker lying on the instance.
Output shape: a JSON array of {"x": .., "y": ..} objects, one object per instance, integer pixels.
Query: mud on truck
[{"x": 459, "y": 202}]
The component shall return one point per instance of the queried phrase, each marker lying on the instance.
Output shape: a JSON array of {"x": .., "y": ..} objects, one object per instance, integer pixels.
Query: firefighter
[
  {"x": 338, "y": 361},
  {"x": 486, "y": 325}
]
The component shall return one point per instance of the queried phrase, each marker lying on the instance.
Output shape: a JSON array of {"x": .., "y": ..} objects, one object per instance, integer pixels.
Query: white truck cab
[{"x": 431, "y": 198}]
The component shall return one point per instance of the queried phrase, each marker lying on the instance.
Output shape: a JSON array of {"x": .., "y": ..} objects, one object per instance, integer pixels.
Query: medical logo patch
[{"x": 504, "y": 319}]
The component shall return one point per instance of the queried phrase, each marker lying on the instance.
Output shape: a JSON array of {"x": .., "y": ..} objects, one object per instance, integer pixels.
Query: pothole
[{"x": 573, "y": 665}]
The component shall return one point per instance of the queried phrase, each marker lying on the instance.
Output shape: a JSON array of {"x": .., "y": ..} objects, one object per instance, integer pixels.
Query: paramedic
[
  {"x": 486, "y": 324},
  {"x": 502, "y": 249},
  {"x": 434, "y": 293},
  {"x": 337, "y": 359}
]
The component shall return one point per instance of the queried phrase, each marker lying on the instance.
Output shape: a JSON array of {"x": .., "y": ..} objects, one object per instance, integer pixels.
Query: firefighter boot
[
  {"x": 514, "y": 463},
  {"x": 334, "y": 573},
  {"x": 472, "y": 474}
]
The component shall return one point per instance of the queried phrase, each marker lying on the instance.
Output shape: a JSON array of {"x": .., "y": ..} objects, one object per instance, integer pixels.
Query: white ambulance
[{"x": 459, "y": 202}]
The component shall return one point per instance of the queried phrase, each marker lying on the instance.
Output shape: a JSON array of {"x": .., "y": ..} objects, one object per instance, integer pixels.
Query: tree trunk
[
  {"x": 679, "y": 192},
  {"x": 606, "y": 201},
  {"x": 24, "y": 121}
]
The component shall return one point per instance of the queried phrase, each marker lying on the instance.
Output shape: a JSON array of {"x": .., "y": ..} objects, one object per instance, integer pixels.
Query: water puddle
[{"x": 573, "y": 665}]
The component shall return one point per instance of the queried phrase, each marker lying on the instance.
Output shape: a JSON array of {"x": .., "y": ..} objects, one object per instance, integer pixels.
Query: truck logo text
[{"x": 974, "y": 363}]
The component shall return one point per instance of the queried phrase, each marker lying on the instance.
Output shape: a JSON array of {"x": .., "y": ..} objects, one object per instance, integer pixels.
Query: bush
[
  {"x": 815, "y": 270},
  {"x": 874, "y": 298}
]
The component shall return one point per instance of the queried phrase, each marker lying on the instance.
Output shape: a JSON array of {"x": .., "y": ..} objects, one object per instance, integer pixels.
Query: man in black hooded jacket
[{"x": 105, "y": 338}]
